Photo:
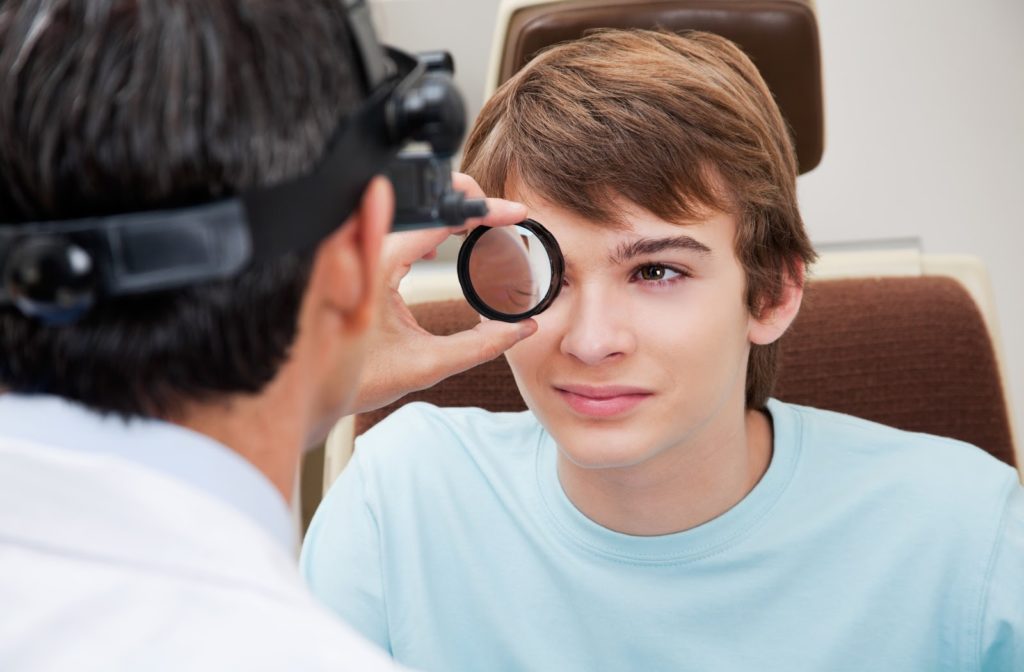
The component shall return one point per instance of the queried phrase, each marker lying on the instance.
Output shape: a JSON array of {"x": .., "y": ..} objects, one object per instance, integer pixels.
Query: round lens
[{"x": 511, "y": 272}]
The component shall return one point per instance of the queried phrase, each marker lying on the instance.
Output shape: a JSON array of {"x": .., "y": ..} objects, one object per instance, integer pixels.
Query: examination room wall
[{"x": 924, "y": 128}]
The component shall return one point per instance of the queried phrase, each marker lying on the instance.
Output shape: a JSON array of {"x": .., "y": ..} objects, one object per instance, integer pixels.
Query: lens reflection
[{"x": 509, "y": 270}]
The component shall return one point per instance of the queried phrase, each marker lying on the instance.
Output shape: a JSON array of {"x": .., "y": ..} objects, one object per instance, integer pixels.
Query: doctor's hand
[{"x": 403, "y": 357}]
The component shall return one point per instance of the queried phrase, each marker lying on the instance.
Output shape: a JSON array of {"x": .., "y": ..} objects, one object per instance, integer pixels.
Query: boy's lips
[{"x": 601, "y": 401}]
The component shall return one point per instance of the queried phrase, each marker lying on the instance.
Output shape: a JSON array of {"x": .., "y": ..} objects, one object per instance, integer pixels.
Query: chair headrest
[{"x": 779, "y": 36}]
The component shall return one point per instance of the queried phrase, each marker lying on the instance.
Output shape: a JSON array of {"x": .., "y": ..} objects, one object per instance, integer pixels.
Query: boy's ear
[
  {"x": 773, "y": 321},
  {"x": 344, "y": 276}
]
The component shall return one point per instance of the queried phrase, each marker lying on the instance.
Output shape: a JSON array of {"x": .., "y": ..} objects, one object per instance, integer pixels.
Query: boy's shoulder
[
  {"x": 423, "y": 422},
  {"x": 848, "y": 432},
  {"x": 420, "y": 432},
  {"x": 941, "y": 470}
]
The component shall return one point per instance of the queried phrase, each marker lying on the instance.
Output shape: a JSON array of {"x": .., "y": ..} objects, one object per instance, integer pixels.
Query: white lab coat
[{"x": 108, "y": 565}]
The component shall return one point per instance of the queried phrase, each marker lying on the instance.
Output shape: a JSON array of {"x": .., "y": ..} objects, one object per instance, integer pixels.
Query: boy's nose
[{"x": 597, "y": 330}]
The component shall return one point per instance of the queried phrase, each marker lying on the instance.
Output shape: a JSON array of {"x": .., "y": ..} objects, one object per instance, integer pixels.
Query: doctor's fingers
[
  {"x": 455, "y": 353},
  {"x": 402, "y": 250},
  {"x": 500, "y": 212}
]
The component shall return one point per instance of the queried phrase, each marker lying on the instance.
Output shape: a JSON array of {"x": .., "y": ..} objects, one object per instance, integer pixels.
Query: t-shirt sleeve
[
  {"x": 1002, "y": 626},
  {"x": 341, "y": 557}
]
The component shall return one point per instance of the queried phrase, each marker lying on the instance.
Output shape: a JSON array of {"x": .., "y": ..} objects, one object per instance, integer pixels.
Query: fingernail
[
  {"x": 508, "y": 208},
  {"x": 526, "y": 328}
]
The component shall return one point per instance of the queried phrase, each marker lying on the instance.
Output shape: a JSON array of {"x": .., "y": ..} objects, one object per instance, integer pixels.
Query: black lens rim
[{"x": 555, "y": 258}]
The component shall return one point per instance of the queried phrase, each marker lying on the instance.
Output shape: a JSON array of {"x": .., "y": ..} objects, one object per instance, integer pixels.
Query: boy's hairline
[{"x": 515, "y": 188}]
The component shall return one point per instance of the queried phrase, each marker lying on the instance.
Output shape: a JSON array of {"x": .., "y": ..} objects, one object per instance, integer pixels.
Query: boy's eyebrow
[{"x": 645, "y": 246}]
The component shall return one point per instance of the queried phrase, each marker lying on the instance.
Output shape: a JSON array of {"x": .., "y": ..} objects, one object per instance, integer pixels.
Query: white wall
[
  {"x": 925, "y": 138},
  {"x": 924, "y": 119},
  {"x": 463, "y": 27}
]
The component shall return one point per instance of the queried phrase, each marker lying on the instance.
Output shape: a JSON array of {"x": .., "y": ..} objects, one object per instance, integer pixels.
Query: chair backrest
[
  {"x": 780, "y": 36},
  {"x": 911, "y": 352}
]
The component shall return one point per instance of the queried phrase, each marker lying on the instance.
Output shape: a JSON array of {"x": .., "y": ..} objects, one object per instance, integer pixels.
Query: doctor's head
[
  {"x": 122, "y": 106},
  {"x": 664, "y": 169}
]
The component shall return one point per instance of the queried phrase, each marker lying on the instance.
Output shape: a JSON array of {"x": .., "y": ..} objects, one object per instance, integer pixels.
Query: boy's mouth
[{"x": 602, "y": 401}]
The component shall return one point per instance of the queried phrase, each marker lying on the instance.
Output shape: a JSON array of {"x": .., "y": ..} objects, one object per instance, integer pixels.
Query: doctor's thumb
[{"x": 482, "y": 343}]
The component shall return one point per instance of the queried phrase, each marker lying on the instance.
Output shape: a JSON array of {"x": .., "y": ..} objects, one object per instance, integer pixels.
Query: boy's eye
[{"x": 656, "y": 273}]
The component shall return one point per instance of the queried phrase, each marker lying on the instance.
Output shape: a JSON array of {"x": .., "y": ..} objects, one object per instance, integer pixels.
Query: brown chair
[
  {"x": 910, "y": 352},
  {"x": 780, "y": 36}
]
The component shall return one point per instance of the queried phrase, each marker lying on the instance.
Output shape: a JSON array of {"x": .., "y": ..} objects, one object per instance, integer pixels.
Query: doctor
[{"x": 190, "y": 235}]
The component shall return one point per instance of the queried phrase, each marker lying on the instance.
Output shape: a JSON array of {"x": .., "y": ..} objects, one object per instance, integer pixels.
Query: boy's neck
[{"x": 678, "y": 489}]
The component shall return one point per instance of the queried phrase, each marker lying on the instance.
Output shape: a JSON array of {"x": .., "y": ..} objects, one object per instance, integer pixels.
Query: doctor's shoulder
[{"x": 284, "y": 632}]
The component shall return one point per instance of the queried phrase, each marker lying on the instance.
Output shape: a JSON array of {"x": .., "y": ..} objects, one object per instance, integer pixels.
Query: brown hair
[{"x": 673, "y": 123}]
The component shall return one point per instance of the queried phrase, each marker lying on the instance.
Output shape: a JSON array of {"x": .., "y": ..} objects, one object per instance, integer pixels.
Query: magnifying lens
[{"x": 510, "y": 273}]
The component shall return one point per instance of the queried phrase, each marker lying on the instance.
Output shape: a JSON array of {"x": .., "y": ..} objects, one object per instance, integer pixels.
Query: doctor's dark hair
[
  {"x": 110, "y": 106},
  {"x": 676, "y": 124}
]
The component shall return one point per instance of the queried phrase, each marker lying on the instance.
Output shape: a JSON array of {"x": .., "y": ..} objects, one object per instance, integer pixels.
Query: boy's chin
[{"x": 590, "y": 454}]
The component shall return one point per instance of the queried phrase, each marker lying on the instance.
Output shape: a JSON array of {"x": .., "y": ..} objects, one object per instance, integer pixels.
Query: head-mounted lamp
[{"x": 57, "y": 270}]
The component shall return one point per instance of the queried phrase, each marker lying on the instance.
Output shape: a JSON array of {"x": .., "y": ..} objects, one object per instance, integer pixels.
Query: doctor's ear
[
  {"x": 344, "y": 278},
  {"x": 772, "y": 321}
]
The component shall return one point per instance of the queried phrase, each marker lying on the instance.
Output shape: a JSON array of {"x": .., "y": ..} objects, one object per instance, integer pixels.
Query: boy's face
[{"x": 645, "y": 349}]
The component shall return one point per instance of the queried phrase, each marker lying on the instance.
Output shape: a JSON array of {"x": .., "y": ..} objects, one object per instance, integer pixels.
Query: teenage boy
[{"x": 655, "y": 509}]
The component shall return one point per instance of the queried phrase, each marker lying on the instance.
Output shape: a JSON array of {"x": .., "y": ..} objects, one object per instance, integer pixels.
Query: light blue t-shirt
[{"x": 449, "y": 541}]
